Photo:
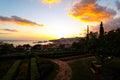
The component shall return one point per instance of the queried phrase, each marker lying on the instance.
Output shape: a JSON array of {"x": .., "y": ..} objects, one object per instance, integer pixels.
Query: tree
[
  {"x": 93, "y": 42},
  {"x": 6, "y": 48},
  {"x": 101, "y": 31},
  {"x": 81, "y": 45},
  {"x": 62, "y": 46},
  {"x": 19, "y": 48},
  {"x": 113, "y": 38},
  {"x": 26, "y": 46},
  {"x": 36, "y": 47}
]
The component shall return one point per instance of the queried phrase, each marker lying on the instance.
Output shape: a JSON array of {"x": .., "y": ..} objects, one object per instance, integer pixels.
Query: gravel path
[{"x": 65, "y": 72}]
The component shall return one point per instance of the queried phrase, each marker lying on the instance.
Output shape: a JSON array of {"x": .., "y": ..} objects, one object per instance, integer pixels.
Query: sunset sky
[{"x": 52, "y": 19}]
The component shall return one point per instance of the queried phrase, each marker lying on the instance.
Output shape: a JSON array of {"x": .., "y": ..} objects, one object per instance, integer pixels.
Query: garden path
[{"x": 65, "y": 72}]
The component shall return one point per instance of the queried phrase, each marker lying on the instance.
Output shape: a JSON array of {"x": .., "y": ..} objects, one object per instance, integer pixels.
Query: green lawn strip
[
  {"x": 53, "y": 73},
  {"x": 5, "y": 64},
  {"x": 23, "y": 71},
  {"x": 34, "y": 70},
  {"x": 111, "y": 69},
  {"x": 114, "y": 63},
  {"x": 47, "y": 69},
  {"x": 80, "y": 69},
  {"x": 12, "y": 71}
]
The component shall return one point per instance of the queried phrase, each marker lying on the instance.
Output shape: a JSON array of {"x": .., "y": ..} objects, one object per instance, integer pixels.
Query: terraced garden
[
  {"x": 55, "y": 67},
  {"x": 33, "y": 68}
]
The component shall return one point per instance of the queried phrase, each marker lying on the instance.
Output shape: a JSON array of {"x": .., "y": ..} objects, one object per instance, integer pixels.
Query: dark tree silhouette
[
  {"x": 101, "y": 31},
  {"x": 26, "y": 46},
  {"x": 6, "y": 48},
  {"x": 19, "y": 48},
  {"x": 36, "y": 47}
]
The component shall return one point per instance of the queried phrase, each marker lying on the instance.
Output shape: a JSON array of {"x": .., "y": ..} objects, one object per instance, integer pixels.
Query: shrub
[
  {"x": 34, "y": 70},
  {"x": 5, "y": 64},
  {"x": 6, "y": 48},
  {"x": 47, "y": 69},
  {"x": 11, "y": 72},
  {"x": 23, "y": 73}
]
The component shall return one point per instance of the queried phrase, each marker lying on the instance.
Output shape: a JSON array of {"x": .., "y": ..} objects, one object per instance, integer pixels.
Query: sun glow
[
  {"x": 51, "y": 1},
  {"x": 60, "y": 32},
  {"x": 65, "y": 32}
]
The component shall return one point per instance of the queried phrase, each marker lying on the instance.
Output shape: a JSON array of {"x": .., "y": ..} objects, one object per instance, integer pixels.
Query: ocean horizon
[{"x": 22, "y": 42}]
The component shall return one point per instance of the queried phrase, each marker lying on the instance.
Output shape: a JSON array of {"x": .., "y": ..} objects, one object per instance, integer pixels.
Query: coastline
[{"x": 21, "y": 42}]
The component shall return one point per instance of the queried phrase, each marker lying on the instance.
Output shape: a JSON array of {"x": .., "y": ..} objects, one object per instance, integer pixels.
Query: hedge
[
  {"x": 23, "y": 72},
  {"x": 47, "y": 69},
  {"x": 34, "y": 70},
  {"x": 12, "y": 71}
]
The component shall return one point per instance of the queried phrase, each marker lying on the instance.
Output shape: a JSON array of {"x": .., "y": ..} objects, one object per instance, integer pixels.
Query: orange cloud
[
  {"x": 50, "y": 2},
  {"x": 89, "y": 11},
  {"x": 18, "y": 20}
]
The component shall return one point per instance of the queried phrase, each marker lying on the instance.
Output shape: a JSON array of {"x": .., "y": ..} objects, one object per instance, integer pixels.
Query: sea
[{"x": 22, "y": 42}]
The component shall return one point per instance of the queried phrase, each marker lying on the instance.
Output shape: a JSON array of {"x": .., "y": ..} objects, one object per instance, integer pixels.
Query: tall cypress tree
[{"x": 101, "y": 31}]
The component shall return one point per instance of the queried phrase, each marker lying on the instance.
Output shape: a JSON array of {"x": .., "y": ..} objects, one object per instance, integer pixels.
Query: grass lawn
[
  {"x": 111, "y": 70},
  {"x": 80, "y": 69}
]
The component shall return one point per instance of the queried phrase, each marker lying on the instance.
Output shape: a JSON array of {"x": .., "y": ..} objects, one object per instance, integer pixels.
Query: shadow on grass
[{"x": 81, "y": 71}]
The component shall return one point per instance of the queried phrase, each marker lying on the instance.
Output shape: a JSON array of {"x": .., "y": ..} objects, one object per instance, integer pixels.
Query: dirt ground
[{"x": 65, "y": 72}]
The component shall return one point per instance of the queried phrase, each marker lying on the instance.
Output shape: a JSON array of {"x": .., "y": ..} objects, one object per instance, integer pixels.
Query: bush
[
  {"x": 47, "y": 69},
  {"x": 34, "y": 70},
  {"x": 58, "y": 54},
  {"x": 5, "y": 64},
  {"x": 12, "y": 71},
  {"x": 23, "y": 73},
  {"x": 6, "y": 48}
]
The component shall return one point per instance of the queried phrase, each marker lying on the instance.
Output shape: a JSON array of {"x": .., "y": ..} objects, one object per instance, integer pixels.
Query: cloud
[
  {"x": 118, "y": 5},
  {"x": 50, "y": 2},
  {"x": 4, "y": 33},
  {"x": 90, "y": 11},
  {"x": 109, "y": 25},
  {"x": 18, "y": 20},
  {"x": 10, "y": 30},
  {"x": 113, "y": 23}
]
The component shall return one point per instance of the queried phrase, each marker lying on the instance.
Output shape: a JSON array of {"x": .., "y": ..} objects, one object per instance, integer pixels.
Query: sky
[{"x": 53, "y": 19}]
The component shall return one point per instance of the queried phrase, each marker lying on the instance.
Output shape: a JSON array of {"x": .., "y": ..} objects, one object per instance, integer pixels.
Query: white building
[{"x": 65, "y": 41}]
